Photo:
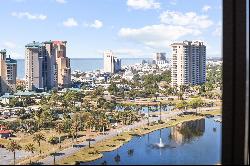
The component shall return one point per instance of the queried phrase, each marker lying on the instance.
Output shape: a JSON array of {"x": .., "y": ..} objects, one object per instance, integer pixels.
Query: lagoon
[{"x": 193, "y": 142}]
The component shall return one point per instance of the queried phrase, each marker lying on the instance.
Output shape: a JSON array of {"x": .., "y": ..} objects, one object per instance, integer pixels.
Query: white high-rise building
[
  {"x": 188, "y": 64},
  {"x": 111, "y": 63}
]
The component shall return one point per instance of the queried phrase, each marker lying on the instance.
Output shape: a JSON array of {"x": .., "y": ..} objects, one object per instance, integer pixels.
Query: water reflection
[
  {"x": 161, "y": 144},
  {"x": 187, "y": 132}
]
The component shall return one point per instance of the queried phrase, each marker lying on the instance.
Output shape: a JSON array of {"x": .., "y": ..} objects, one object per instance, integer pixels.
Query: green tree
[
  {"x": 13, "y": 147},
  {"x": 38, "y": 138},
  {"x": 181, "y": 105},
  {"x": 196, "y": 103},
  {"x": 60, "y": 129},
  {"x": 113, "y": 89},
  {"x": 30, "y": 148},
  {"x": 53, "y": 140}
]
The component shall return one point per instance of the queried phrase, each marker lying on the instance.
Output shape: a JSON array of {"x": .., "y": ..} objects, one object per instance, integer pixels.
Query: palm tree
[
  {"x": 52, "y": 140},
  {"x": 59, "y": 129},
  {"x": 117, "y": 158},
  {"x": 30, "y": 148},
  {"x": 90, "y": 122},
  {"x": 54, "y": 98},
  {"x": 130, "y": 152},
  {"x": 37, "y": 116},
  {"x": 196, "y": 103},
  {"x": 103, "y": 123},
  {"x": 89, "y": 140},
  {"x": 160, "y": 111},
  {"x": 12, "y": 147},
  {"x": 181, "y": 105},
  {"x": 75, "y": 124},
  {"x": 148, "y": 114},
  {"x": 38, "y": 138}
]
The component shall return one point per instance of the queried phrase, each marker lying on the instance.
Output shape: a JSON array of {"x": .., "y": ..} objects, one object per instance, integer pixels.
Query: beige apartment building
[
  {"x": 63, "y": 72},
  {"x": 35, "y": 64},
  {"x": 159, "y": 58},
  {"x": 8, "y": 73},
  {"x": 47, "y": 66},
  {"x": 111, "y": 63},
  {"x": 188, "y": 64}
]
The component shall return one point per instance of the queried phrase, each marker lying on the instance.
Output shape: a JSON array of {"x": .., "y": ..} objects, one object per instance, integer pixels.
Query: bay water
[{"x": 84, "y": 65}]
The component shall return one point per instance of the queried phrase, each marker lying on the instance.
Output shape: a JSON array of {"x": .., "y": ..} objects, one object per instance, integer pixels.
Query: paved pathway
[
  {"x": 6, "y": 157},
  {"x": 71, "y": 150}
]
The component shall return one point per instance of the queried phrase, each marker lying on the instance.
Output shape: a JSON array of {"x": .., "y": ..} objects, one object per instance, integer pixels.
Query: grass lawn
[{"x": 213, "y": 112}]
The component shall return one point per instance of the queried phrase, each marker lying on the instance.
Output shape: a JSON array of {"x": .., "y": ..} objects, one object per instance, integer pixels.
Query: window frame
[{"x": 234, "y": 126}]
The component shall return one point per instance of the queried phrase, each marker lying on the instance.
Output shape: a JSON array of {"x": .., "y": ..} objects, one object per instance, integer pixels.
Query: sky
[{"x": 130, "y": 28}]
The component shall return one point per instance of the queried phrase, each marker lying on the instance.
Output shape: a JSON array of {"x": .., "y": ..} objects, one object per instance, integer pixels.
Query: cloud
[
  {"x": 29, "y": 16},
  {"x": 206, "y": 8},
  {"x": 157, "y": 36},
  {"x": 218, "y": 30},
  {"x": 96, "y": 24},
  {"x": 189, "y": 19},
  {"x": 61, "y": 1},
  {"x": 20, "y": 1},
  {"x": 129, "y": 51},
  {"x": 70, "y": 22},
  {"x": 143, "y": 4},
  {"x": 9, "y": 44},
  {"x": 15, "y": 55},
  {"x": 173, "y": 2},
  {"x": 174, "y": 26}
]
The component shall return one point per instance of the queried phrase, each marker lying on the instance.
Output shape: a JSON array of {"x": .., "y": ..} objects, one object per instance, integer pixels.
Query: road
[{"x": 71, "y": 150}]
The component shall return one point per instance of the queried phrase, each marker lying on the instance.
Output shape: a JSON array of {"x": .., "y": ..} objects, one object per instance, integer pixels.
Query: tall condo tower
[
  {"x": 111, "y": 63},
  {"x": 47, "y": 66},
  {"x": 8, "y": 73},
  {"x": 188, "y": 63}
]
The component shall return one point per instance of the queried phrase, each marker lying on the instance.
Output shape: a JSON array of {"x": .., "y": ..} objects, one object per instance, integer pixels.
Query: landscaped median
[{"x": 95, "y": 152}]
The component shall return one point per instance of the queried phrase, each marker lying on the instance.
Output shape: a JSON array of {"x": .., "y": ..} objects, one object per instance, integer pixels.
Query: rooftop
[
  {"x": 7, "y": 95},
  {"x": 186, "y": 42},
  {"x": 10, "y": 61},
  {"x": 5, "y": 131},
  {"x": 34, "y": 44},
  {"x": 3, "y": 51},
  {"x": 25, "y": 93}
]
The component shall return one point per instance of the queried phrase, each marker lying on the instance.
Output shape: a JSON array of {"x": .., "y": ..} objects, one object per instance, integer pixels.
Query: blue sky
[{"x": 131, "y": 28}]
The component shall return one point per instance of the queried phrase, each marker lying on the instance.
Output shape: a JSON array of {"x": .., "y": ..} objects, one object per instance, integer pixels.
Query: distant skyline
[{"x": 131, "y": 28}]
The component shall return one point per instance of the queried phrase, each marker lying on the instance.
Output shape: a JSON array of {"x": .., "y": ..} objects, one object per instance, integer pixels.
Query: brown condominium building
[
  {"x": 47, "y": 66},
  {"x": 8, "y": 73}
]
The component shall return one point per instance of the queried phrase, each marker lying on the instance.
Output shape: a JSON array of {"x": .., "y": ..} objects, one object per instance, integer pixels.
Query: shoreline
[{"x": 96, "y": 151}]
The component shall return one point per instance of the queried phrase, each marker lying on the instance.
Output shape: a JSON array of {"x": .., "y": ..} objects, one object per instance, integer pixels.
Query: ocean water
[{"x": 89, "y": 64}]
